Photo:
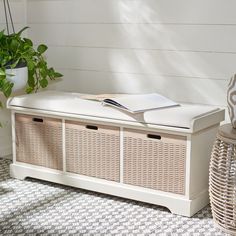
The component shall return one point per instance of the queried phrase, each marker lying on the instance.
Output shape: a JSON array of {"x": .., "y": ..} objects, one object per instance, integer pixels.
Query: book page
[
  {"x": 142, "y": 102},
  {"x": 101, "y": 97}
]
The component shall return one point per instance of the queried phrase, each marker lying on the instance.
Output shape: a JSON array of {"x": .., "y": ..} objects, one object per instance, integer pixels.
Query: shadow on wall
[
  {"x": 176, "y": 72},
  {"x": 189, "y": 80}
]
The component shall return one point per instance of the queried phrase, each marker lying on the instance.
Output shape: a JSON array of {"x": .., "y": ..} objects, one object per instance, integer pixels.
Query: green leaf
[
  {"x": 31, "y": 80},
  {"x": 51, "y": 72},
  {"x": 42, "y": 64},
  {"x": 20, "y": 32},
  {"x": 15, "y": 64},
  {"x": 1, "y": 34},
  {"x": 6, "y": 87},
  {"x": 42, "y": 48},
  {"x": 28, "y": 42},
  {"x": 14, "y": 45},
  {"x": 57, "y": 75},
  {"x": 29, "y": 90},
  {"x": 2, "y": 72},
  {"x": 43, "y": 83},
  {"x": 30, "y": 64},
  {"x": 43, "y": 72},
  {"x": 2, "y": 78}
]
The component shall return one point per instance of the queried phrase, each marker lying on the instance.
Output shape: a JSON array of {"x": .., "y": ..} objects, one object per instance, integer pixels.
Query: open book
[{"x": 133, "y": 103}]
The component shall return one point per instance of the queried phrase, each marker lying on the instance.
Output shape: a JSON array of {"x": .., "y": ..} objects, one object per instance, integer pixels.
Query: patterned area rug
[{"x": 33, "y": 207}]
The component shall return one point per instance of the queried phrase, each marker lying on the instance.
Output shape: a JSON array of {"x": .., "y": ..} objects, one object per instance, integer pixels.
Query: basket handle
[
  {"x": 154, "y": 136},
  {"x": 39, "y": 120},
  {"x": 91, "y": 127}
]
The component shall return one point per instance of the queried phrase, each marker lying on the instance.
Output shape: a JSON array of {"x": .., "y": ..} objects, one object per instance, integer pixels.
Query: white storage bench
[{"x": 160, "y": 156}]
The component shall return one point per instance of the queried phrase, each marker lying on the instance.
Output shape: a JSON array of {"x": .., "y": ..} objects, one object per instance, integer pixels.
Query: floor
[{"x": 33, "y": 207}]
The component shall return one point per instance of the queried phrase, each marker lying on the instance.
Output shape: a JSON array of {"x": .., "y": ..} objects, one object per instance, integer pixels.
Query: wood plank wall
[
  {"x": 183, "y": 49},
  {"x": 18, "y": 10}
]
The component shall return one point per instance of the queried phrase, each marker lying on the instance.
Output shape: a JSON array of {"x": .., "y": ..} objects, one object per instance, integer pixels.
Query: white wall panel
[
  {"x": 144, "y": 36},
  {"x": 174, "y": 63},
  {"x": 183, "y": 89},
  {"x": 17, "y": 9},
  {"x": 183, "y": 49},
  {"x": 132, "y": 11}
]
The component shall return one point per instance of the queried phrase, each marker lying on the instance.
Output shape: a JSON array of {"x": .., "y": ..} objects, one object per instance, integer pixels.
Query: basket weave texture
[
  {"x": 222, "y": 182},
  {"x": 39, "y": 143},
  {"x": 153, "y": 163},
  {"x": 93, "y": 152},
  {"x": 150, "y": 160}
]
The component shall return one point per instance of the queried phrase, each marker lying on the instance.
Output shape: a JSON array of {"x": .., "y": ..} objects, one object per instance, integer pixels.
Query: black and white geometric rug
[{"x": 33, "y": 207}]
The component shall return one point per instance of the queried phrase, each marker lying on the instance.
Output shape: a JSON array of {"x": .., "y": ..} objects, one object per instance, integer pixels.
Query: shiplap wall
[
  {"x": 18, "y": 9},
  {"x": 183, "y": 49}
]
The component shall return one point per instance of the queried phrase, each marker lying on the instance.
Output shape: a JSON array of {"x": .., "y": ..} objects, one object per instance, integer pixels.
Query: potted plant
[{"x": 20, "y": 60}]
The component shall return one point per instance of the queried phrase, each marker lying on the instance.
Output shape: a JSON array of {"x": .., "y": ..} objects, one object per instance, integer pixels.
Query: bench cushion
[{"x": 71, "y": 103}]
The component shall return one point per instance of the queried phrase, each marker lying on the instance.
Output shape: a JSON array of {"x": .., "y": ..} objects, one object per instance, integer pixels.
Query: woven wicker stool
[{"x": 223, "y": 179}]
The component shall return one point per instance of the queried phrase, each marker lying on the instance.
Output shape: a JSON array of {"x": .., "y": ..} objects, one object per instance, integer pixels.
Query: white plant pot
[{"x": 18, "y": 76}]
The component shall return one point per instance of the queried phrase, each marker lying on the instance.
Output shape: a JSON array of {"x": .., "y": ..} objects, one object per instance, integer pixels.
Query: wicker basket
[
  {"x": 39, "y": 141},
  {"x": 222, "y": 181},
  {"x": 155, "y": 160},
  {"x": 93, "y": 150}
]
